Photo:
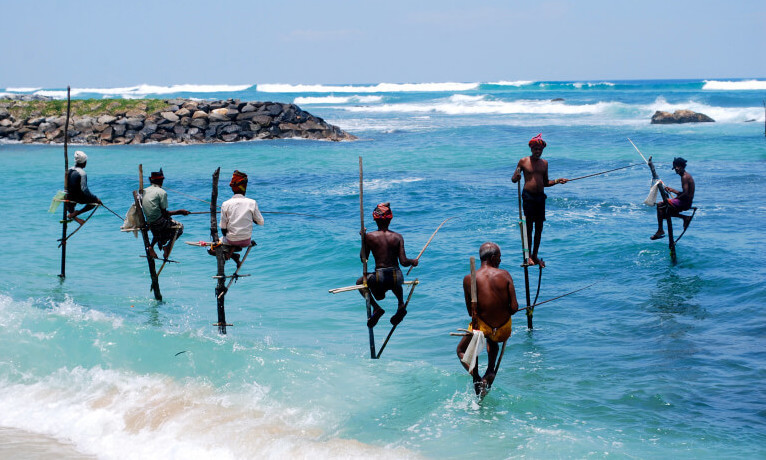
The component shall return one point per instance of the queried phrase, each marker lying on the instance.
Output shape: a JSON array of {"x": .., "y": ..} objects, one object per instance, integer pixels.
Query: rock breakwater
[{"x": 174, "y": 121}]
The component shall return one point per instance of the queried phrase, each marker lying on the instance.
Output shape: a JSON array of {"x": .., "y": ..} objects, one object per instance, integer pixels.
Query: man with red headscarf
[
  {"x": 155, "y": 204},
  {"x": 535, "y": 180},
  {"x": 388, "y": 249},
  {"x": 237, "y": 216}
]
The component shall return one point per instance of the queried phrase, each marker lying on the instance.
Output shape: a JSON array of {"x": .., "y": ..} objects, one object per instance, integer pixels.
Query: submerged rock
[{"x": 679, "y": 116}]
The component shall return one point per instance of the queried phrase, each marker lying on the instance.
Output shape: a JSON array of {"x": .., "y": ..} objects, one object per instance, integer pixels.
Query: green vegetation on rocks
[
  {"x": 82, "y": 107},
  {"x": 174, "y": 121}
]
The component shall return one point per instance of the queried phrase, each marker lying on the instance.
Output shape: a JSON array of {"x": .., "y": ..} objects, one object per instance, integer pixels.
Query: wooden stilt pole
[
  {"x": 62, "y": 275},
  {"x": 665, "y": 200},
  {"x": 525, "y": 255},
  {"x": 393, "y": 328},
  {"x": 137, "y": 195},
  {"x": 220, "y": 289},
  {"x": 367, "y": 294}
]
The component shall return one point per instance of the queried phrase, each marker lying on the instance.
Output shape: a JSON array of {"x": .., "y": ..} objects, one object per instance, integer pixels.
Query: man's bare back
[
  {"x": 496, "y": 303},
  {"x": 496, "y": 295}
]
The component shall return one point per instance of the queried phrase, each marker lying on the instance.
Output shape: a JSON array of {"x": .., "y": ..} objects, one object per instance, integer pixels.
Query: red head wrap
[
  {"x": 537, "y": 141},
  {"x": 238, "y": 181},
  {"x": 156, "y": 176},
  {"x": 382, "y": 212}
]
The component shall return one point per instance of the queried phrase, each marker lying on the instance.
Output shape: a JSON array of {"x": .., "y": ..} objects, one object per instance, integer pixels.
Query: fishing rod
[
  {"x": 604, "y": 172},
  {"x": 117, "y": 215},
  {"x": 464, "y": 332},
  {"x": 558, "y": 297},
  {"x": 269, "y": 212},
  {"x": 429, "y": 240},
  {"x": 639, "y": 152}
]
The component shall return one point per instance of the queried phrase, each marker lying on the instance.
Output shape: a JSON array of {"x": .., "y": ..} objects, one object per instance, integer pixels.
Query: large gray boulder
[{"x": 679, "y": 116}]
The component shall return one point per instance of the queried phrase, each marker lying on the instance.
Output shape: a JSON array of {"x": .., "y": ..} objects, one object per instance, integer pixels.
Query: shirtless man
[
  {"x": 535, "y": 180},
  {"x": 388, "y": 249},
  {"x": 681, "y": 202},
  {"x": 77, "y": 188},
  {"x": 497, "y": 302}
]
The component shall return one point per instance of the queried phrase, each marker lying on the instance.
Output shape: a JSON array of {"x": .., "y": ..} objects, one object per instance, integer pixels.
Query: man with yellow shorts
[{"x": 496, "y": 303}]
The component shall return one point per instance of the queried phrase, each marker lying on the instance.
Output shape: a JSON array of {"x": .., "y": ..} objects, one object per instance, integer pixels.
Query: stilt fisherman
[
  {"x": 155, "y": 204},
  {"x": 496, "y": 303},
  {"x": 388, "y": 249},
  {"x": 535, "y": 180},
  {"x": 682, "y": 201},
  {"x": 237, "y": 217},
  {"x": 77, "y": 188}
]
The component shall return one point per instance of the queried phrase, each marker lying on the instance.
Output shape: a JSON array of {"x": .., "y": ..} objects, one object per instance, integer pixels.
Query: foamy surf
[
  {"x": 144, "y": 90},
  {"x": 379, "y": 88},
  {"x": 337, "y": 100},
  {"x": 117, "y": 414},
  {"x": 745, "y": 85}
]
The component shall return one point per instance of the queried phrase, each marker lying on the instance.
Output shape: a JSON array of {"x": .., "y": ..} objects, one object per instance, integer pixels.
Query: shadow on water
[
  {"x": 675, "y": 295},
  {"x": 153, "y": 313}
]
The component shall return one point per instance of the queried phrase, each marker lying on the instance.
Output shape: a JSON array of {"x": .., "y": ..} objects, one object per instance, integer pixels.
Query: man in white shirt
[{"x": 237, "y": 216}]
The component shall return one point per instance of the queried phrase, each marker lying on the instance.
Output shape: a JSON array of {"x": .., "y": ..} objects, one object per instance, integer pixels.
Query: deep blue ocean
[{"x": 656, "y": 360}]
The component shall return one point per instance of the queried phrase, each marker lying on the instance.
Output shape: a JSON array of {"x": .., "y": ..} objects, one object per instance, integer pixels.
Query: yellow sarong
[{"x": 500, "y": 334}]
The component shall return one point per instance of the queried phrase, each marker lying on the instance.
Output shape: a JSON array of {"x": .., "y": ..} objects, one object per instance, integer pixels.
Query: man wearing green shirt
[{"x": 155, "y": 203}]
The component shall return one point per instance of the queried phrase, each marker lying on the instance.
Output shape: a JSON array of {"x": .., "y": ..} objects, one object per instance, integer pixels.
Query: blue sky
[{"x": 50, "y": 44}]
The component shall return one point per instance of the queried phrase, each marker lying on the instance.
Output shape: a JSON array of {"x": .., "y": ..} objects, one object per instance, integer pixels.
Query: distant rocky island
[
  {"x": 173, "y": 121},
  {"x": 679, "y": 116}
]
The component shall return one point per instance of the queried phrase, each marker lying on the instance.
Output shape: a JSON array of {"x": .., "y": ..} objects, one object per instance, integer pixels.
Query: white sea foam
[
  {"x": 369, "y": 185},
  {"x": 579, "y": 85},
  {"x": 471, "y": 105},
  {"x": 143, "y": 90},
  {"x": 118, "y": 414},
  {"x": 609, "y": 111},
  {"x": 379, "y": 88},
  {"x": 338, "y": 100},
  {"x": 22, "y": 90},
  {"x": 735, "y": 85},
  {"x": 512, "y": 83}
]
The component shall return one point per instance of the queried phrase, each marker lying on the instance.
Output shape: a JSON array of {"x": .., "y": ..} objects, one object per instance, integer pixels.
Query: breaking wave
[
  {"x": 735, "y": 85},
  {"x": 143, "y": 90},
  {"x": 338, "y": 99},
  {"x": 379, "y": 88}
]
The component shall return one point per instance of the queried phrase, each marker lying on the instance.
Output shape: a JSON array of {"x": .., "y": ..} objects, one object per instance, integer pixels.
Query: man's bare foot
[
  {"x": 536, "y": 261},
  {"x": 398, "y": 316},
  {"x": 376, "y": 314},
  {"x": 76, "y": 219},
  {"x": 658, "y": 235}
]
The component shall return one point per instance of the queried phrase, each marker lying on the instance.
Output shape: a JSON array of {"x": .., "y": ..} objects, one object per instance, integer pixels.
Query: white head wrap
[{"x": 80, "y": 157}]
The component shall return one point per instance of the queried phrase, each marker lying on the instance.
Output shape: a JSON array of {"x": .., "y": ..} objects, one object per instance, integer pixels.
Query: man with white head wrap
[{"x": 77, "y": 188}]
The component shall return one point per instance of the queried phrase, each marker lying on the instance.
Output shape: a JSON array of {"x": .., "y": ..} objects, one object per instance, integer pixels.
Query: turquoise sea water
[{"x": 655, "y": 360}]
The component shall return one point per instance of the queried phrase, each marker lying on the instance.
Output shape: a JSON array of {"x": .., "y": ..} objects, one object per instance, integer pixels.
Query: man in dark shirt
[{"x": 77, "y": 188}]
